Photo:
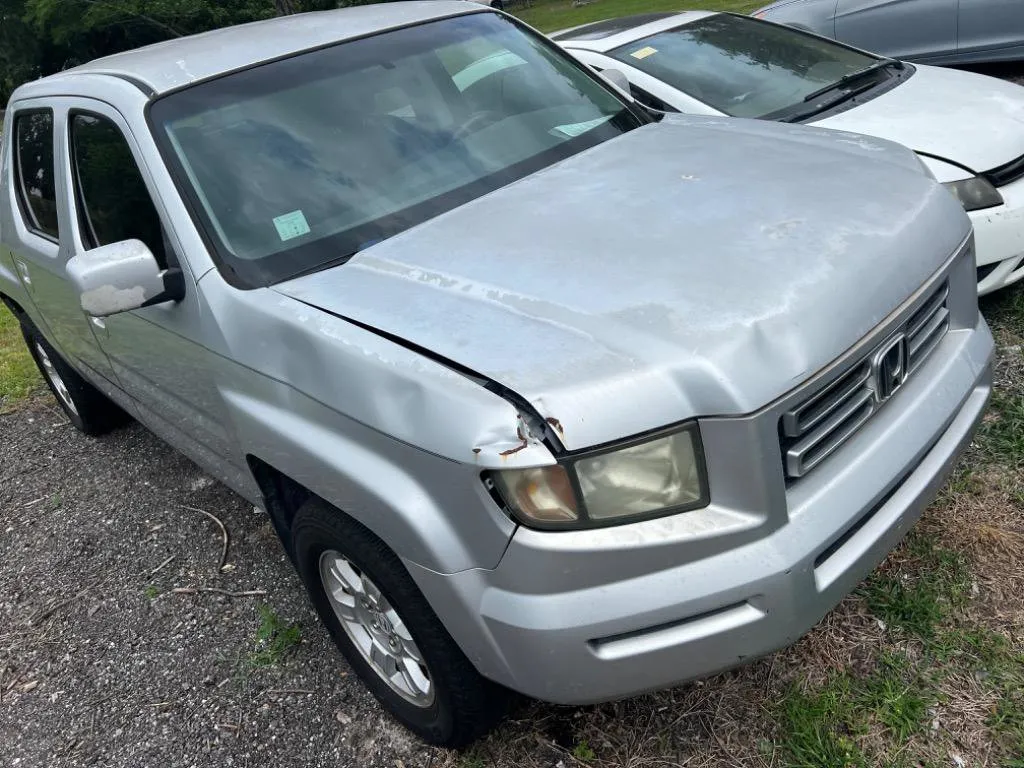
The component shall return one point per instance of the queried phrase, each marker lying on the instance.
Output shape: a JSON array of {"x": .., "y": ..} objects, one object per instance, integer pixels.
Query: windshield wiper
[
  {"x": 847, "y": 79},
  {"x": 794, "y": 115}
]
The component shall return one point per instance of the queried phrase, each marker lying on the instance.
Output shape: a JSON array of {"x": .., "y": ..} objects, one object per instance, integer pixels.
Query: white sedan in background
[{"x": 967, "y": 128}]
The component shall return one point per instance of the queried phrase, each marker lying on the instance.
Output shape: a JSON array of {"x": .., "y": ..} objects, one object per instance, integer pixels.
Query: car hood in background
[
  {"x": 971, "y": 119},
  {"x": 696, "y": 266}
]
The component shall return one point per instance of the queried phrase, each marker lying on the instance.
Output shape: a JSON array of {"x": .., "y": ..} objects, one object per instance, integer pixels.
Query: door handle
[{"x": 26, "y": 277}]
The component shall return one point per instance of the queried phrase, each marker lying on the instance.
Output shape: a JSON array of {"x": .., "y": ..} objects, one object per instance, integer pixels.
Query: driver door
[
  {"x": 903, "y": 29},
  {"x": 153, "y": 350},
  {"x": 988, "y": 25}
]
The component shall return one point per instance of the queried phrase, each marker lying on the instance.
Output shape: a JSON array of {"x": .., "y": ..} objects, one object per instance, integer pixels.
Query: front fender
[{"x": 431, "y": 511}]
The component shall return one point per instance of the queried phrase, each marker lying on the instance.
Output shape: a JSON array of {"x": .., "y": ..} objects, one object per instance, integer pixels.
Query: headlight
[
  {"x": 657, "y": 476},
  {"x": 975, "y": 193}
]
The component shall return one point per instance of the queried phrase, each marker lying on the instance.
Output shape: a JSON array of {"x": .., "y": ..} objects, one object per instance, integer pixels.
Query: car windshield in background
[
  {"x": 297, "y": 164},
  {"x": 741, "y": 66}
]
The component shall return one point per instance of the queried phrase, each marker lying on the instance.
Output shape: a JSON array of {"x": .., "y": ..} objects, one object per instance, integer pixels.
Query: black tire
[
  {"x": 465, "y": 705},
  {"x": 86, "y": 407}
]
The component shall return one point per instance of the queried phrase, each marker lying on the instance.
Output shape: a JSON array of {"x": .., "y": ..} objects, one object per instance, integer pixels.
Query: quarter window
[
  {"x": 113, "y": 201},
  {"x": 33, "y": 133}
]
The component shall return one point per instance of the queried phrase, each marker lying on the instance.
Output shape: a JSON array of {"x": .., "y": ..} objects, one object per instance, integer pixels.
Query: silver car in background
[
  {"x": 929, "y": 31},
  {"x": 539, "y": 391}
]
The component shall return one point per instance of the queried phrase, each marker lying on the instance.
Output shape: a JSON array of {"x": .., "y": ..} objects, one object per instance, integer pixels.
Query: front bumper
[
  {"x": 586, "y": 616},
  {"x": 999, "y": 240}
]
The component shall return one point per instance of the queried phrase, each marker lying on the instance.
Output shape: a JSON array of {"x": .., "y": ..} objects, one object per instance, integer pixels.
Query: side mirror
[
  {"x": 121, "y": 277},
  {"x": 619, "y": 80}
]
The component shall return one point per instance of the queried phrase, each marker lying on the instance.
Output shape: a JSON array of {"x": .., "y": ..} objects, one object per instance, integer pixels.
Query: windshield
[
  {"x": 300, "y": 163},
  {"x": 741, "y": 66}
]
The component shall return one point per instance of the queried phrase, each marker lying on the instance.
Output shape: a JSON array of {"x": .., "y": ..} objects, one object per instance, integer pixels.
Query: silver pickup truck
[{"x": 541, "y": 392}]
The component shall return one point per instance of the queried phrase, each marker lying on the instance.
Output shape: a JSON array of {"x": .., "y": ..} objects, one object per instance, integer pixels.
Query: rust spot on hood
[
  {"x": 523, "y": 442},
  {"x": 556, "y": 424}
]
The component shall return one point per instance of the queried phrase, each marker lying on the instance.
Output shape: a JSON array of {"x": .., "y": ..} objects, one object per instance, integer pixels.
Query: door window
[
  {"x": 113, "y": 202},
  {"x": 36, "y": 190}
]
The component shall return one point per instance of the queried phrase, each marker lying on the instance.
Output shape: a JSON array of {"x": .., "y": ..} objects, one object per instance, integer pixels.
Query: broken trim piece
[{"x": 537, "y": 424}]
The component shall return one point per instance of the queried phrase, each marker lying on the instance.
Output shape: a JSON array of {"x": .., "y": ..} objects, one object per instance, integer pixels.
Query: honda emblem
[{"x": 889, "y": 367}]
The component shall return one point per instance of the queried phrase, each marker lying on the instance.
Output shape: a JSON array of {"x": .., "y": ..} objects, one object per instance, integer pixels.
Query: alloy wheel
[
  {"x": 54, "y": 377},
  {"x": 376, "y": 629}
]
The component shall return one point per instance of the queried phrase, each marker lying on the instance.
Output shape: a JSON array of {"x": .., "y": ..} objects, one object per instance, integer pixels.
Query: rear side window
[
  {"x": 37, "y": 195},
  {"x": 113, "y": 202}
]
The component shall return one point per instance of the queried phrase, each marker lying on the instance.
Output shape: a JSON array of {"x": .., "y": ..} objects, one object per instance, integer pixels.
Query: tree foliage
[{"x": 40, "y": 37}]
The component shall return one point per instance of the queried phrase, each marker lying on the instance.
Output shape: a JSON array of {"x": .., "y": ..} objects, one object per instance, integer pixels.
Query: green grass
[
  {"x": 18, "y": 374},
  {"x": 552, "y": 15},
  {"x": 819, "y": 727},
  {"x": 829, "y": 727},
  {"x": 275, "y": 639},
  {"x": 1002, "y": 435},
  {"x": 882, "y": 718},
  {"x": 1005, "y": 309},
  {"x": 918, "y": 598},
  {"x": 583, "y": 752},
  {"x": 999, "y": 667}
]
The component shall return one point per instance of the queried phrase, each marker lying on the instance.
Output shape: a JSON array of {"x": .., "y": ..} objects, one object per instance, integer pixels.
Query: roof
[
  {"x": 179, "y": 62},
  {"x": 605, "y": 35}
]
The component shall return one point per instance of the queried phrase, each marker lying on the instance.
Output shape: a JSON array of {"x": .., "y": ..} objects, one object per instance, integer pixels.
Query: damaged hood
[
  {"x": 971, "y": 119},
  {"x": 692, "y": 267}
]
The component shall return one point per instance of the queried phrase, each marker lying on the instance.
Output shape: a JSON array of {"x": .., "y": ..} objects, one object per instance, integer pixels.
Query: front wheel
[
  {"x": 387, "y": 631},
  {"x": 89, "y": 410}
]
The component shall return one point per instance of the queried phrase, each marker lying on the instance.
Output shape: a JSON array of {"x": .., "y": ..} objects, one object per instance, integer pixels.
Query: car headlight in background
[
  {"x": 975, "y": 193},
  {"x": 656, "y": 476}
]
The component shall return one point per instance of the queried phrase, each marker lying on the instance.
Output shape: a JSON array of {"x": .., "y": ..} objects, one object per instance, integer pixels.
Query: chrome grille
[
  {"x": 926, "y": 327},
  {"x": 826, "y": 418}
]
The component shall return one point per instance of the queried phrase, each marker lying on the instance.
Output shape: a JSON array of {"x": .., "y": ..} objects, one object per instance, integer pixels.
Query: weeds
[
  {"x": 583, "y": 752},
  {"x": 274, "y": 639}
]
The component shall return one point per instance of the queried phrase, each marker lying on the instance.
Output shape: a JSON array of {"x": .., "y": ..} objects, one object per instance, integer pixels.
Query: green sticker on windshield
[{"x": 290, "y": 225}]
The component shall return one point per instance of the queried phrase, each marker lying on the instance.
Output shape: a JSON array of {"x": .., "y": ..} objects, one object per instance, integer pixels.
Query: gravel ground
[{"x": 102, "y": 663}]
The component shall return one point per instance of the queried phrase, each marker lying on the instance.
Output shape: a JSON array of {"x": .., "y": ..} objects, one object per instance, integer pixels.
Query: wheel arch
[
  {"x": 13, "y": 305},
  {"x": 427, "y": 510},
  {"x": 282, "y": 498}
]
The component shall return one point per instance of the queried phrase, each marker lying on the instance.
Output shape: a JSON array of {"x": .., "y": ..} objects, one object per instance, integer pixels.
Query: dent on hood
[
  {"x": 395, "y": 390},
  {"x": 634, "y": 297}
]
